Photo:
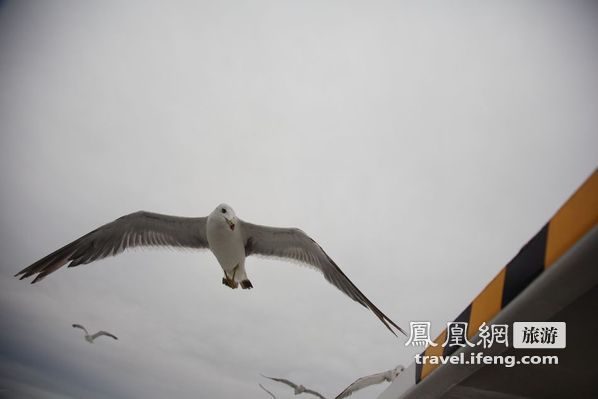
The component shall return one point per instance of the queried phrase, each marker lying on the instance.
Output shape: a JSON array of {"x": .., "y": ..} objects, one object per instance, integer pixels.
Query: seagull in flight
[
  {"x": 90, "y": 338},
  {"x": 229, "y": 238},
  {"x": 270, "y": 393},
  {"x": 297, "y": 388},
  {"x": 373, "y": 379}
]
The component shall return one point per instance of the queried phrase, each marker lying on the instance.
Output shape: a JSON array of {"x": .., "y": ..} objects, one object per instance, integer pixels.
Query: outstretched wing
[
  {"x": 361, "y": 383},
  {"x": 314, "y": 393},
  {"x": 133, "y": 230},
  {"x": 81, "y": 327},
  {"x": 271, "y": 394},
  {"x": 289, "y": 383},
  {"x": 100, "y": 333},
  {"x": 294, "y": 244}
]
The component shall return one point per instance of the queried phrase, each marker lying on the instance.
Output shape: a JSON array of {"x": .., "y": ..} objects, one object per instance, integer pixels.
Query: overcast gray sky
[{"x": 421, "y": 144}]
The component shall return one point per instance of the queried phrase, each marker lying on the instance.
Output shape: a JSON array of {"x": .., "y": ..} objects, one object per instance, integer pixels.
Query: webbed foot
[
  {"x": 230, "y": 283},
  {"x": 246, "y": 285}
]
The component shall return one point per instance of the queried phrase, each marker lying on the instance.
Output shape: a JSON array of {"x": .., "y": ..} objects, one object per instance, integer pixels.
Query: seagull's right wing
[
  {"x": 294, "y": 244},
  {"x": 81, "y": 327},
  {"x": 289, "y": 383},
  {"x": 271, "y": 394},
  {"x": 363, "y": 382},
  {"x": 133, "y": 230},
  {"x": 100, "y": 333}
]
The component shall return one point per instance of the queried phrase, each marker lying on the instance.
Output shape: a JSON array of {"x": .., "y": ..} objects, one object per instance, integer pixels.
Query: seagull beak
[{"x": 231, "y": 224}]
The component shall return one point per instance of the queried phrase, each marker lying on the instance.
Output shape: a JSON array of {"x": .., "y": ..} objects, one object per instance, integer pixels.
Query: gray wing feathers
[
  {"x": 314, "y": 393},
  {"x": 294, "y": 244},
  {"x": 289, "y": 383},
  {"x": 293, "y": 385},
  {"x": 133, "y": 230},
  {"x": 363, "y": 382},
  {"x": 81, "y": 327},
  {"x": 106, "y": 333},
  {"x": 282, "y": 243},
  {"x": 271, "y": 394}
]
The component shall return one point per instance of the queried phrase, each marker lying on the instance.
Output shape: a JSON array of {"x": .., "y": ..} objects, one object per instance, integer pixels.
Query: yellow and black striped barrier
[{"x": 575, "y": 218}]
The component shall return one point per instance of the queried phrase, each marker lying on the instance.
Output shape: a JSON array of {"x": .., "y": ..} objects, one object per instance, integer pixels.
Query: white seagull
[
  {"x": 297, "y": 388},
  {"x": 270, "y": 393},
  {"x": 229, "y": 238},
  {"x": 373, "y": 379},
  {"x": 90, "y": 338}
]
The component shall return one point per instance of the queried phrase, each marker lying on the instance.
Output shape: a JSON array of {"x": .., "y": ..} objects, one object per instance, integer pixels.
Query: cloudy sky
[{"x": 421, "y": 144}]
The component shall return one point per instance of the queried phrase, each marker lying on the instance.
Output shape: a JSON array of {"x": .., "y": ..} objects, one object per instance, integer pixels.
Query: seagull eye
[{"x": 223, "y": 210}]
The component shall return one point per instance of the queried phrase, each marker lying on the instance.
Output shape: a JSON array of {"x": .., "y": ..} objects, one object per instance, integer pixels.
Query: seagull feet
[
  {"x": 230, "y": 283},
  {"x": 246, "y": 285}
]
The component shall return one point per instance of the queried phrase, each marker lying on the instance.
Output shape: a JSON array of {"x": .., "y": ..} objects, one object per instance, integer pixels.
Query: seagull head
[
  {"x": 227, "y": 213},
  {"x": 397, "y": 370}
]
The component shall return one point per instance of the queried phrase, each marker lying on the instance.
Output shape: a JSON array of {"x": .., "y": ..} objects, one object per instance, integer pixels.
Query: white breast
[{"x": 226, "y": 244}]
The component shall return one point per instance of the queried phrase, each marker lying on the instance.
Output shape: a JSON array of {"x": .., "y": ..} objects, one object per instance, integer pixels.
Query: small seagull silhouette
[{"x": 90, "y": 338}]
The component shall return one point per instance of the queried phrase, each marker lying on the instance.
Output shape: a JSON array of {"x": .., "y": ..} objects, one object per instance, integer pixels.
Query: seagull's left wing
[
  {"x": 139, "y": 229},
  {"x": 271, "y": 394},
  {"x": 294, "y": 244},
  {"x": 287, "y": 382},
  {"x": 100, "y": 333},
  {"x": 361, "y": 383},
  {"x": 81, "y": 327}
]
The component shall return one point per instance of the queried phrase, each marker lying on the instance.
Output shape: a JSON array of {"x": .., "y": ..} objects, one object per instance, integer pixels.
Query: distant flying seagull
[
  {"x": 229, "y": 238},
  {"x": 373, "y": 379},
  {"x": 298, "y": 388},
  {"x": 91, "y": 338},
  {"x": 271, "y": 394}
]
